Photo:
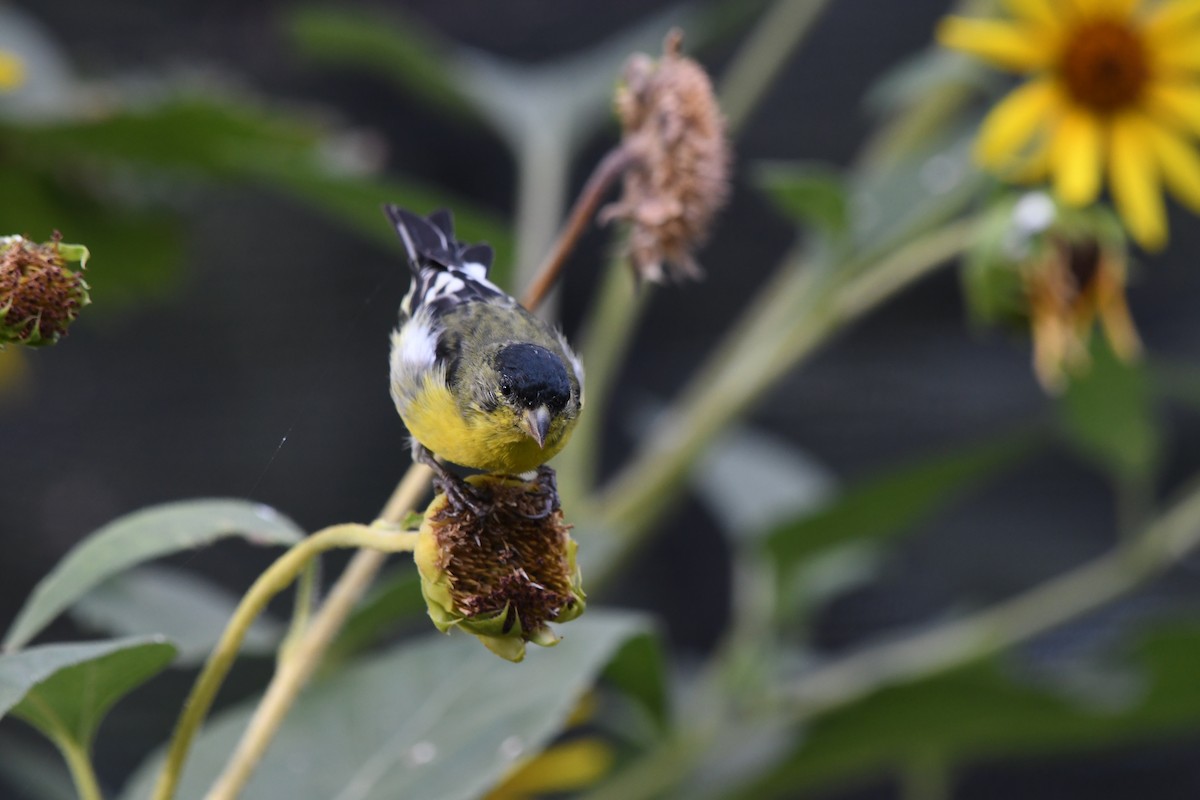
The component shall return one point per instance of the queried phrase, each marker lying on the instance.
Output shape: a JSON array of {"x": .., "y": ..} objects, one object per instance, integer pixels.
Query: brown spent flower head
[
  {"x": 1075, "y": 284},
  {"x": 679, "y": 178},
  {"x": 504, "y": 574},
  {"x": 39, "y": 296}
]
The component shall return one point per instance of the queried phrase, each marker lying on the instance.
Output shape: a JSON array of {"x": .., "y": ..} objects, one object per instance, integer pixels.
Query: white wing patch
[
  {"x": 413, "y": 357},
  {"x": 415, "y": 345}
]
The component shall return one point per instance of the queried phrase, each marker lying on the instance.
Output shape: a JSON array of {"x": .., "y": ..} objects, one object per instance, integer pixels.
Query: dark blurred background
[{"x": 257, "y": 368}]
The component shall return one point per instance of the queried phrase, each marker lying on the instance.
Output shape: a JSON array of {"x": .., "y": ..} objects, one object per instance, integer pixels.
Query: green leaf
[
  {"x": 393, "y": 601},
  {"x": 141, "y": 536},
  {"x": 1108, "y": 414},
  {"x": 185, "y": 608},
  {"x": 639, "y": 671},
  {"x": 894, "y": 502},
  {"x": 195, "y": 136},
  {"x": 139, "y": 250},
  {"x": 751, "y": 481},
  {"x": 893, "y": 200},
  {"x": 188, "y": 133},
  {"x": 809, "y": 193},
  {"x": 393, "y": 45},
  {"x": 64, "y": 690},
  {"x": 437, "y": 718},
  {"x": 983, "y": 711}
]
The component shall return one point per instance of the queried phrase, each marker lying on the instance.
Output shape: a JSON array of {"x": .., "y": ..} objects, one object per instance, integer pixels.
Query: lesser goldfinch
[{"x": 477, "y": 379}]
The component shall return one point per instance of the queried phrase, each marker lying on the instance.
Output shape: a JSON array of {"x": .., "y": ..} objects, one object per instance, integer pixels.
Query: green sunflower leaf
[
  {"x": 141, "y": 536},
  {"x": 439, "y": 717}
]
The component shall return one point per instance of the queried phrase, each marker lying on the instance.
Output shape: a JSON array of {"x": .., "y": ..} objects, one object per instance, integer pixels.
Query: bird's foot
[
  {"x": 547, "y": 485},
  {"x": 459, "y": 494}
]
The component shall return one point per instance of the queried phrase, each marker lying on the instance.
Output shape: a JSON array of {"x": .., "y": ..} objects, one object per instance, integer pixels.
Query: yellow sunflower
[
  {"x": 12, "y": 71},
  {"x": 1113, "y": 90}
]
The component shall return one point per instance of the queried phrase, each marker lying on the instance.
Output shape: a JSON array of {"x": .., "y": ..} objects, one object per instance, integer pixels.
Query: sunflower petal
[
  {"x": 1040, "y": 12},
  {"x": 1178, "y": 162},
  {"x": 571, "y": 765},
  {"x": 1011, "y": 124},
  {"x": 1077, "y": 157},
  {"x": 1121, "y": 9},
  {"x": 1004, "y": 44},
  {"x": 1135, "y": 182},
  {"x": 12, "y": 71},
  {"x": 1035, "y": 165},
  {"x": 1179, "y": 53},
  {"x": 1179, "y": 103},
  {"x": 1171, "y": 19}
]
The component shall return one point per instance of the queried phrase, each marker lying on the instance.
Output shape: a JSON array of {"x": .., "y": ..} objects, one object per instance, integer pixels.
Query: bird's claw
[
  {"x": 547, "y": 482},
  {"x": 460, "y": 494}
]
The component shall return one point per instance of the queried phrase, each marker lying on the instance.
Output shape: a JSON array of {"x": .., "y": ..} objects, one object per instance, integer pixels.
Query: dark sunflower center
[{"x": 1104, "y": 65}]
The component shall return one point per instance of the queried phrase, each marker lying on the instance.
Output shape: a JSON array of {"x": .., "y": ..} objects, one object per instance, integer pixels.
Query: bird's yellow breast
[{"x": 488, "y": 440}]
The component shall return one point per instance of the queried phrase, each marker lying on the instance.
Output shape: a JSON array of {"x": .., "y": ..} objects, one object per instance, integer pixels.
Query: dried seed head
[
  {"x": 39, "y": 296},
  {"x": 1057, "y": 272},
  {"x": 504, "y": 574},
  {"x": 679, "y": 179},
  {"x": 1074, "y": 284}
]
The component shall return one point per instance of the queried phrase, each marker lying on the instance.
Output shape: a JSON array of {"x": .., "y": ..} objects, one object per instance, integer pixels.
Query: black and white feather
[{"x": 446, "y": 272}]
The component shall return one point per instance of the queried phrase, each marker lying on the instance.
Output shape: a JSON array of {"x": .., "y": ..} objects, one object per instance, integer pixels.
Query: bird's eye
[{"x": 505, "y": 389}]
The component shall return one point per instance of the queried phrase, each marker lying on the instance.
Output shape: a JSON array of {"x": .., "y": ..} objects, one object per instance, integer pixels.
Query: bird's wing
[{"x": 446, "y": 273}]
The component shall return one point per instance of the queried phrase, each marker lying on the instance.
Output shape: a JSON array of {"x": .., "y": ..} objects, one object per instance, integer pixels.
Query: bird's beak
[{"x": 536, "y": 422}]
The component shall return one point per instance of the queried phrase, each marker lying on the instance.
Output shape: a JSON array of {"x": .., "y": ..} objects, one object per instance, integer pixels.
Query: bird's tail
[{"x": 430, "y": 243}]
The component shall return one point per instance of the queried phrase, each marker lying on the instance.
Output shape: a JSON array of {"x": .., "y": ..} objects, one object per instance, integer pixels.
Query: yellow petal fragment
[
  {"x": 12, "y": 71},
  {"x": 1036, "y": 165},
  {"x": 1118, "y": 9},
  {"x": 1179, "y": 163},
  {"x": 570, "y": 766},
  {"x": 1113, "y": 311},
  {"x": 1179, "y": 53},
  {"x": 1172, "y": 18},
  {"x": 1077, "y": 157},
  {"x": 1004, "y": 44},
  {"x": 1040, "y": 12},
  {"x": 1135, "y": 184},
  {"x": 1009, "y": 127},
  {"x": 1175, "y": 102}
]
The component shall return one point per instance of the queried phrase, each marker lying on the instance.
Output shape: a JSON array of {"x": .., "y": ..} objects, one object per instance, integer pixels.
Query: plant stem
[
  {"x": 763, "y": 54},
  {"x": 787, "y": 323},
  {"x": 82, "y": 772},
  {"x": 611, "y": 167},
  {"x": 274, "y": 580},
  {"x": 1161, "y": 544},
  {"x": 613, "y": 319},
  {"x": 304, "y": 654},
  {"x": 306, "y": 587},
  {"x": 1166, "y": 541},
  {"x": 543, "y": 167},
  {"x": 604, "y": 342}
]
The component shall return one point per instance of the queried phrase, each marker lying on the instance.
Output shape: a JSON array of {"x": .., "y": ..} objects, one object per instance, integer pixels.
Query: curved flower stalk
[{"x": 1112, "y": 95}]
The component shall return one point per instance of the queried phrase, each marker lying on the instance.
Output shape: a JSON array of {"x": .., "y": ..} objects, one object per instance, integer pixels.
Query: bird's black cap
[{"x": 533, "y": 376}]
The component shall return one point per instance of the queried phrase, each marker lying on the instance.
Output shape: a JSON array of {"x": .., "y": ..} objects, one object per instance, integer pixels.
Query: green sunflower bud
[
  {"x": 503, "y": 574},
  {"x": 39, "y": 296}
]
